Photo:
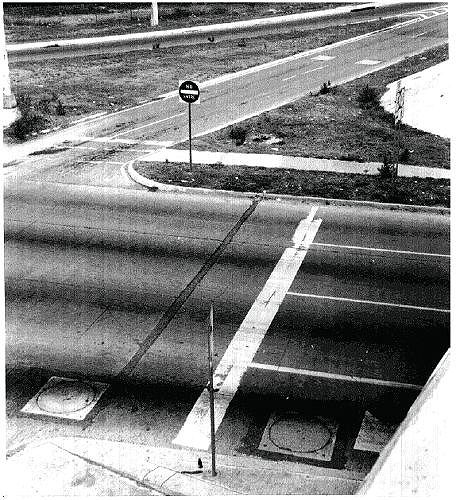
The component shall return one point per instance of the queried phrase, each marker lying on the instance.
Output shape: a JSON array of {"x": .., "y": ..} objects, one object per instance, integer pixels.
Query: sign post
[{"x": 189, "y": 92}]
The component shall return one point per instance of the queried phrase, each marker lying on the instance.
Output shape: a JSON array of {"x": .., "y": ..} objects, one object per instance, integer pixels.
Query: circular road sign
[{"x": 189, "y": 91}]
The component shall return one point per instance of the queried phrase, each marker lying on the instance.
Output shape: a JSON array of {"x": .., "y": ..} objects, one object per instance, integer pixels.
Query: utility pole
[
  {"x": 398, "y": 116},
  {"x": 154, "y": 14},
  {"x": 9, "y": 101}
]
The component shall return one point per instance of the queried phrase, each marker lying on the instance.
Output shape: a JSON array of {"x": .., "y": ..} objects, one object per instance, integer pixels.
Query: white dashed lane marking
[
  {"x": 289, "y": 78},
  {"x": 195, "y": 432},
  {"x": 369, "y": 302},
  {"x": 314, "y": 69},
  {"x": 368, "y": 62},
  {"x": 323, "y": 58}
]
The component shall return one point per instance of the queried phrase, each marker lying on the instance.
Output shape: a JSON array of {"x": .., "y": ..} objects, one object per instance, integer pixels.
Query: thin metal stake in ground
[{"x": 210, "y": 354}]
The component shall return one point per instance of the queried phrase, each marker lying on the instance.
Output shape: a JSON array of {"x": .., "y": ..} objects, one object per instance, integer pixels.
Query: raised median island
[{"x": 241, "y": 178}]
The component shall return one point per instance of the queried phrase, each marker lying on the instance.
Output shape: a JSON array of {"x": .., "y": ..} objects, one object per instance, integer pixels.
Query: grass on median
[
  {"x": 409, "y": 191},
  {"x": 334, "y": 125}
]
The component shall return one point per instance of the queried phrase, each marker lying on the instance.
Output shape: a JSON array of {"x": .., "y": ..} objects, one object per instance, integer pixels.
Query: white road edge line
[
  {"x": 144, "y": 126},
  {"x": 336, "y": 376},
  {"x": 195, "y": 433},
  {"x": 386, "y": 250},
  {"x": 371, "y": 302}
]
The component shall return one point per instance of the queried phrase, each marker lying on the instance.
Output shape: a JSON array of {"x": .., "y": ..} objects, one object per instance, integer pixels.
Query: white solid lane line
[
  {"x": 336, "y": 376},
  {"x": 145, "y": 126},
  {"x": 371, "y": 302},
  {"x": 386, "y": 250},
  {"x": 195, "y": 433}
]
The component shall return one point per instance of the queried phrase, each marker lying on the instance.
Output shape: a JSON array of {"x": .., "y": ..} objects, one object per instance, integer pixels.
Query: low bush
[
  {"x": 368, "y": 97},
  {"x": 31, "y": 119},
  {"x": 325, "y": 88},
  {"x": 238, "y": 134},
  {"x": 27, "y": 123},
  {"x": 388, "y": 168},
  {"x": 404, "y": 155}
]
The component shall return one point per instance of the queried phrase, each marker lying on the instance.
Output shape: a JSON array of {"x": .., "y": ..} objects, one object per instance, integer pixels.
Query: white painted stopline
[
  {"x": 384, "y": 250},
  {"x": 370, "y": 302},
  {"x": 195, "y": 433},
  {"x": 145, "y": 126},
  {"x": 336, "y": 376}
]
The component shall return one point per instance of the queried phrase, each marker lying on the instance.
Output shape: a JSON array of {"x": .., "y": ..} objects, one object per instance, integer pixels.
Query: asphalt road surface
[
  {"x": 335, "y": 309},
  {"x": 115, "y": 285}
]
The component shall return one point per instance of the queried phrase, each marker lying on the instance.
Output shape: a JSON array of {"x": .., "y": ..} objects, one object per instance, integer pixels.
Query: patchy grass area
[
  {"x": 107, "y": 82},
  {"x": 28, "y": 22},
  {"x": 334, "y": 125},
  {"x": 409, "y": 191}
]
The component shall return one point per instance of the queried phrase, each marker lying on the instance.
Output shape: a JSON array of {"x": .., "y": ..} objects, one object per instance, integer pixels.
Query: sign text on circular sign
[{"x": 189, "y": 91}]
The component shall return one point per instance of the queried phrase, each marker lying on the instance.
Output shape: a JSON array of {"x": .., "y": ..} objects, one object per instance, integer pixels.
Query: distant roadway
[{"x": 235, "y": 97}]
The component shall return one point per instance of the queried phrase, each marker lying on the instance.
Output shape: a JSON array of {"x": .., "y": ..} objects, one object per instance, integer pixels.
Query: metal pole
[
  {"x": 190, "y": 133},
  {"x": 210, "y": 345},
  {"x": 154, "y": 14}
]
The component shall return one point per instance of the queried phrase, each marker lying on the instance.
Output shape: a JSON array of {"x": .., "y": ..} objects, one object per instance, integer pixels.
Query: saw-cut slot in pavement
[{"x": 178, "y": 302}]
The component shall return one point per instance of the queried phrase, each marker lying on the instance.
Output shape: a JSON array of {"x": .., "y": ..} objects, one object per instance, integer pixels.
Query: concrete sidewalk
[
  {"x": 291, "y": 162},
  {"x": 87, "y": 467}
]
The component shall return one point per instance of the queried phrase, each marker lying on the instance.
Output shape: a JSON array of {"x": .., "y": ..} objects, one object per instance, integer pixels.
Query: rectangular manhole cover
[
  {"x": 301, "y": 435},
  {"x": 373, "y": 434},
  {"x": 65, "y": 398}
]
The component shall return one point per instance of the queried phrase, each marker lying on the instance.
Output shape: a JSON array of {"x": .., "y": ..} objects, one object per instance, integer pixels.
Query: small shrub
[
  {"x": 368, "y": 97},
  {"x": 325, "y": 88},
  {"x": 60, "y": 108},
  {"x": 28, "y": 122},
  {"x": 404, "y": 155},
  {"x": 388, "y": 168},
  {"x": 238, "y": 134}
]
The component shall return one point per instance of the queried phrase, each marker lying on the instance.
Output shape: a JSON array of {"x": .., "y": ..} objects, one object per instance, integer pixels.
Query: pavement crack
[
  {"x": 180, "y": 300},
  {"x": 173, "y": 309}
]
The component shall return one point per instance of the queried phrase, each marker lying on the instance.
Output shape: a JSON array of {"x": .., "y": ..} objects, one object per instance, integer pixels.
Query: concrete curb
[
  {"x": 49, "y": 466},
  {"x": 151, "y": 184}
]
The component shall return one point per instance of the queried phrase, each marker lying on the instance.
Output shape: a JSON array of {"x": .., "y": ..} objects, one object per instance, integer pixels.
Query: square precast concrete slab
[
  {"x": 300, "y": 435},
  {"x": 373, "y": 434},
  {"x": 65, "y": 398}
]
